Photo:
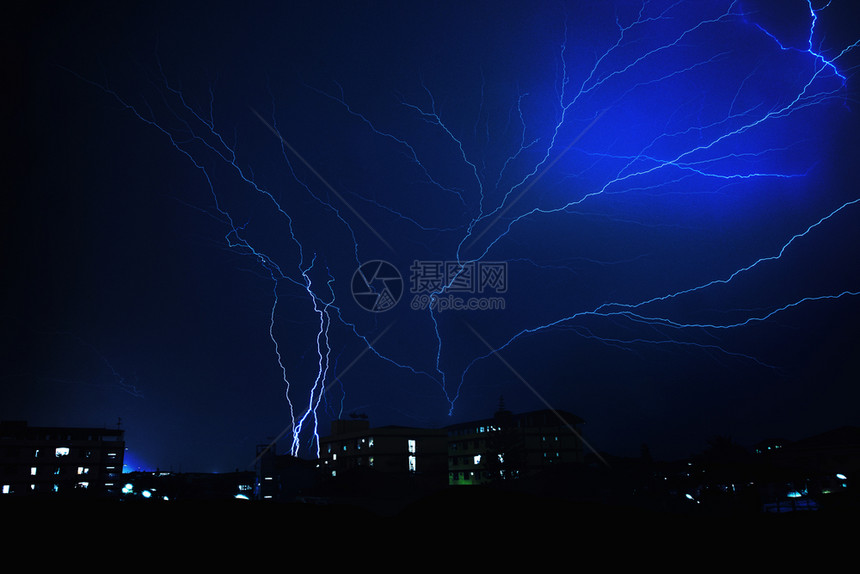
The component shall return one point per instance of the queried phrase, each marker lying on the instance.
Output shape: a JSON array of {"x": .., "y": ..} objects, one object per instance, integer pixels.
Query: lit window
[
  {"x": 83, "y": 470},
  {"x": 62, "y": 451},
  {"x": 334, "y": 456},
  {"x": 6, "y": 489},
  {"x": 477, "y": 459},
  {"x": 370, "y": 441},
  {"x": 411, "y": 445},
  {"x": 370, "y": 460},
  {"x": 32, "y": 471},
  {"x": 83, "y": 484},
  {"x": 412, "y": 463}
]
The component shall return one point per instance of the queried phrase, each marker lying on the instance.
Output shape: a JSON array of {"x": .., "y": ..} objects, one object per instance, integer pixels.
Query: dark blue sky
[{"x": 194, "y": 187}]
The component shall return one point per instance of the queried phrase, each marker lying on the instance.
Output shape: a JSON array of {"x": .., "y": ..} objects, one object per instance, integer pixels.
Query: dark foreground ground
[{"x": 451, "y": 528}]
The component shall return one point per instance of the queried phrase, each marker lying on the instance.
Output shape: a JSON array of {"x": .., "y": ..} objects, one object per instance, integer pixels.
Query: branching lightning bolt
[{"x": 491, "y": 208}]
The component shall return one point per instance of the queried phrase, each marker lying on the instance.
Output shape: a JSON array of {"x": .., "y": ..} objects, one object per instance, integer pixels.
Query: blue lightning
[{"x": 634, "y": 117}]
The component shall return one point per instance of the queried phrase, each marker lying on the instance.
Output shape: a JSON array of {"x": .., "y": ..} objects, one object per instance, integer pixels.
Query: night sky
[{"x": 654, "y": 208}]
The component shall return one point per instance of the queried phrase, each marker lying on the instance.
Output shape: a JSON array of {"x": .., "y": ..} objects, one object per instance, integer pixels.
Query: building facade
[
  {"x": 389, "y": 449},
  {"x": 60, "y": 460},
  {"x": 509, "y": 446},
  {"x": 505, "y": 446}
]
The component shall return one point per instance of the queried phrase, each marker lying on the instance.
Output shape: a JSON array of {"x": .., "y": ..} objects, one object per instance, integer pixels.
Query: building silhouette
[
  {"x": 353, "y": 444},
  {"x": 60, "y": 460},
  {"x": 510, "y": 446}
]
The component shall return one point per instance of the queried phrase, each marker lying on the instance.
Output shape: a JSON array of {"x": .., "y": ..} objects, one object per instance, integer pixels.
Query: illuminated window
[
  {"x": 6, "y": 489},
  {"x": 412, "y": 463},
  {"x": 62, "y": 451},
  {"x": 370, "y": 441},
  {"x": 411, "y": 445},
  {"x": 32, "y": 471},
  {"x": 370, "y": 460},
  {"x": 83, "y": 470},
  {"x": 477, "y": 459}
]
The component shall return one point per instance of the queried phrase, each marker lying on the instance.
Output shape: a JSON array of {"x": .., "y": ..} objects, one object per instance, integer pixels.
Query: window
[
  {"x": 62, "y": 451},
  {"x": 477, "y": 459},
  {"x": 412, "y": 463},
  {"x": 32, "y": 471},
  {"x": 411, "y": 445}
]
